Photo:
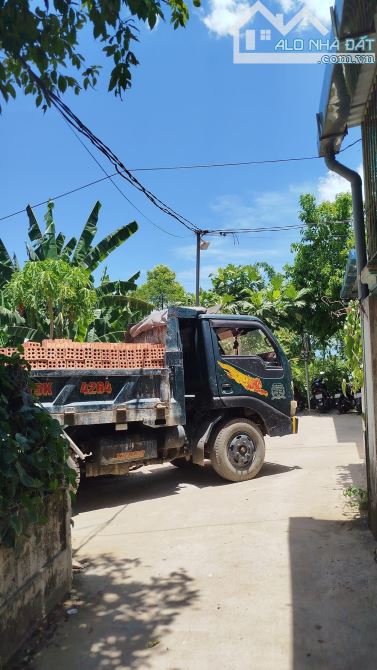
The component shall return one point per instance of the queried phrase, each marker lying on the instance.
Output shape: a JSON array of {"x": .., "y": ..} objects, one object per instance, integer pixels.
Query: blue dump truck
[{"x": 224, "y": 385}]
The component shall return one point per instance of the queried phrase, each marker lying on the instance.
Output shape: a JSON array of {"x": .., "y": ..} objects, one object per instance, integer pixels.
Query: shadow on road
[
  {"x": 353, "y": 474},
  {"x": 121, "y": 622},
  {"x": 334, "y": 594},
  {"x": 154, "y": 482}
]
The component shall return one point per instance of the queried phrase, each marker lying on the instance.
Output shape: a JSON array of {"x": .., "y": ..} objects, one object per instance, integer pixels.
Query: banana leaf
[
  {"x": 104, "y": 248},
  {"x": 87, "y": 236}
]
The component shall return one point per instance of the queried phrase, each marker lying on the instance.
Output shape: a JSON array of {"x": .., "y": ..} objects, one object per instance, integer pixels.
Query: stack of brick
[{"x": 66, "y": 354}]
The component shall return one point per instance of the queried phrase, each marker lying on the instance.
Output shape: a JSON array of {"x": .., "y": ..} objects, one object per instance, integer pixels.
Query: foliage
[
  {"x": 233, "y": 280},
  {"x": 55, "y": 292},
  {"x": 279, "y": 303},
  {"x": 320, "y": 260},
  {"x": 353, "y": 347},
  {"x": 334, "y": 367},
  {"x": 44, "y": 39},
  {"x": 81, "y": 252},
  {"x": 357, "y": 496},
  {"x": 116, "y": 309},
  {"x": 33, "y": 454},
  {"x": 115, "y": 306},
  {"x": 257, "y": 290},
  {"x": 161, "y": 288}
]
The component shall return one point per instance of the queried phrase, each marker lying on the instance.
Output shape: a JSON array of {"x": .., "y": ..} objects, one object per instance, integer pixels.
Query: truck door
[{"x": 249, "y": 363}]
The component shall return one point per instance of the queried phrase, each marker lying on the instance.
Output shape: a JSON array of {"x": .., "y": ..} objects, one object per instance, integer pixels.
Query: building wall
[
  {"x": 34, "y": 581},
  {"x": 370, "y": 372}
]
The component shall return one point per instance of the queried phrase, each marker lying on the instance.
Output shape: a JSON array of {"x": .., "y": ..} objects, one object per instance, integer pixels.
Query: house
[
  {"x": 274, "y": 25},
  {"x": 349, "y": 99}
]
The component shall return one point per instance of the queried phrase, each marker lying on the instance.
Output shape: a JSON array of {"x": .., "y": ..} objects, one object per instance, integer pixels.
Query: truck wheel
[{"x": 238, "y": 451}]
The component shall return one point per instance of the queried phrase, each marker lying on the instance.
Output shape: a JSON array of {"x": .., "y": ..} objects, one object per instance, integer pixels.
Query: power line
[
  {"x": 124, "y": 172},
  {"x": 167, "y": 232},
  {"x": 182, "y": 167},
  {"x": 223, "y": 232},
  {"x": 201, "y": 166}
]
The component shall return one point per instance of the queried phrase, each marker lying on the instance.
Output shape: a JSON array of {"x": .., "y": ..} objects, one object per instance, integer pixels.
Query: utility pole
[
  {"x": 306, "y": 354},
  {"x": 201, "y": 245},
  {"x": 197, "y": 284}
]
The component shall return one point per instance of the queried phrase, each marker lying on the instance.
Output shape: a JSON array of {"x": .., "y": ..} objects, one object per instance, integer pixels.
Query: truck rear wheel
[{"x": 238, "y": 451}]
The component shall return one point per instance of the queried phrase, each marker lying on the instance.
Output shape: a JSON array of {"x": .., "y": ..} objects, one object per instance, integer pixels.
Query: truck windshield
[{"x": 246, "y": 342}]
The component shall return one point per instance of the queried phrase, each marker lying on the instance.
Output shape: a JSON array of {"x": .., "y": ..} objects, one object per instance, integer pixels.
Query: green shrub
[
  {"x": 357, "y": 497},
  {"x": 33, "y": 453}
]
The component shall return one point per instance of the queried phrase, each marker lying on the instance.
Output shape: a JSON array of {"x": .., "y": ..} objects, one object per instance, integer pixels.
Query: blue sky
[{"x": 189, "y": 104}]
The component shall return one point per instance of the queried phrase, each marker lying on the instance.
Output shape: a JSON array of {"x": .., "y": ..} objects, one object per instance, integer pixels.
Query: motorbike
[
  {"x": 344, "y": 402},
  {"x": 300, "y": 399},
  {"x": 321, "y": 398},
  {"x": 358, "y": 402}
]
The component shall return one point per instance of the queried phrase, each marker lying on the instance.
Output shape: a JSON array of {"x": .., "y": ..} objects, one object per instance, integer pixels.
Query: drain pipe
[{"x": 358, "y": 215}]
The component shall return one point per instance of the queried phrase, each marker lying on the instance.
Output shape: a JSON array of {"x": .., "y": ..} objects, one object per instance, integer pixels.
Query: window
[
  {"x": 246, "y": 342},
  {"x": 265, "y": 35}
]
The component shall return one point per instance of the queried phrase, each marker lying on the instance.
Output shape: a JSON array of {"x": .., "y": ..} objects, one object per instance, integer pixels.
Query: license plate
[
  {"x": 319, "y": 396},
  {"x": 129, "y": 455},
  {"x": 337, "y": 395},
  {"x": 357, "y": 395}
]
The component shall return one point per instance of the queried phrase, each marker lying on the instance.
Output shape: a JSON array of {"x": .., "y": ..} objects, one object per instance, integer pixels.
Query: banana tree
[
  {"x": 278, "y": 304},
  {"x": 114, "y": 302},
  {"x": 116, "y": 309},
  {"x": 82, "y": 252}
]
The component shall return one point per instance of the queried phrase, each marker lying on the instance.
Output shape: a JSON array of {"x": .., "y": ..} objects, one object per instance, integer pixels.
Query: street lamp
[{"x": 201, "y": 245}]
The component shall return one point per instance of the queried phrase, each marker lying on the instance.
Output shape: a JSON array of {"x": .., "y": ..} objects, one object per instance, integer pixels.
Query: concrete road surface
[{"x": 188, "y": 572}]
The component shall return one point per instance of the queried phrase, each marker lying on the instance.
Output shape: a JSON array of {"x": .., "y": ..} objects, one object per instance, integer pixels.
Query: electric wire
[
  {"x": 201, "y": 166},
  {"x": 124, "y": 172},
  {"x": 161, "y": 168},
  {"x": 167, "y": 232}
]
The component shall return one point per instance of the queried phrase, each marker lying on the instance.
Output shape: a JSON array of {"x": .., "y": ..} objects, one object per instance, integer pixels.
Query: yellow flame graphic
[{"x": 253, "y": 384}]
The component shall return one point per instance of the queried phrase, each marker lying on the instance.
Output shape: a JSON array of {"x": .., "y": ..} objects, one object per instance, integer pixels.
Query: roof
[
  {"x": 349, "y": 289},
  {"x": 346, "y": 87}
]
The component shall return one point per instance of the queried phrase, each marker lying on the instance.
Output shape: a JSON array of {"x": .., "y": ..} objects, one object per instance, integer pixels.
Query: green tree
[
  {"x": 44, "y": 39},
  {"x": 161, "y": 288},
  {"x": 33, "y": 454},
  {"x": 115, "y": 302},
  {"x": 278, "y": 303},
  {"x": 52, "y": 292},
  {"x": 320, "y": 260},
  {"x": 353, "y": 346},
  {"x": 232, "y": 280},
  {"x": 81, "y": 251}
]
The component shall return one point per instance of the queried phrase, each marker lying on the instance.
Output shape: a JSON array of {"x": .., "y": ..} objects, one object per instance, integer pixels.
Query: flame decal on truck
[{"x": 253, "y": 384}]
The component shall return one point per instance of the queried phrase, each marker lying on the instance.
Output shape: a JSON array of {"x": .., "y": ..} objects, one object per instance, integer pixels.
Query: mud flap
[{"x": 198, "y": 449}]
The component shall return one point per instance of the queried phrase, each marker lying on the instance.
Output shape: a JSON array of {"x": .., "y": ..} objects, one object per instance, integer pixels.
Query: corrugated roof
[{"x": 346, "y": 87}]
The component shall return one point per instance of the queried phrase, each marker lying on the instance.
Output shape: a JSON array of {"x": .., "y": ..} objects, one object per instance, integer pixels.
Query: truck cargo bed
[{"x": 88, "y": 397}]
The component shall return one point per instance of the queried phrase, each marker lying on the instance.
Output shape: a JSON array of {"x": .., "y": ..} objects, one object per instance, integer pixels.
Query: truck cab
[{"x": 238, "y": 389}]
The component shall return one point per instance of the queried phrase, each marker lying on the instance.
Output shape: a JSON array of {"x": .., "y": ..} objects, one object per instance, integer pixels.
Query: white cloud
[
  {"x": 252, "y": 210},
  {"x": 224, "y": 14},
  {"x": 321, "y": 8},
  {"x": 331, "y": 184}
]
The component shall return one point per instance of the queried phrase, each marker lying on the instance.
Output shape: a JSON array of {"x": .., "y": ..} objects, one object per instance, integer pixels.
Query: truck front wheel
[{"x": 238, "y": 451}]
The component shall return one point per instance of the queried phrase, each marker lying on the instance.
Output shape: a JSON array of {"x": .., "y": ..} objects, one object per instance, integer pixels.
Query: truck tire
[{"x": 238, "y": 450}]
